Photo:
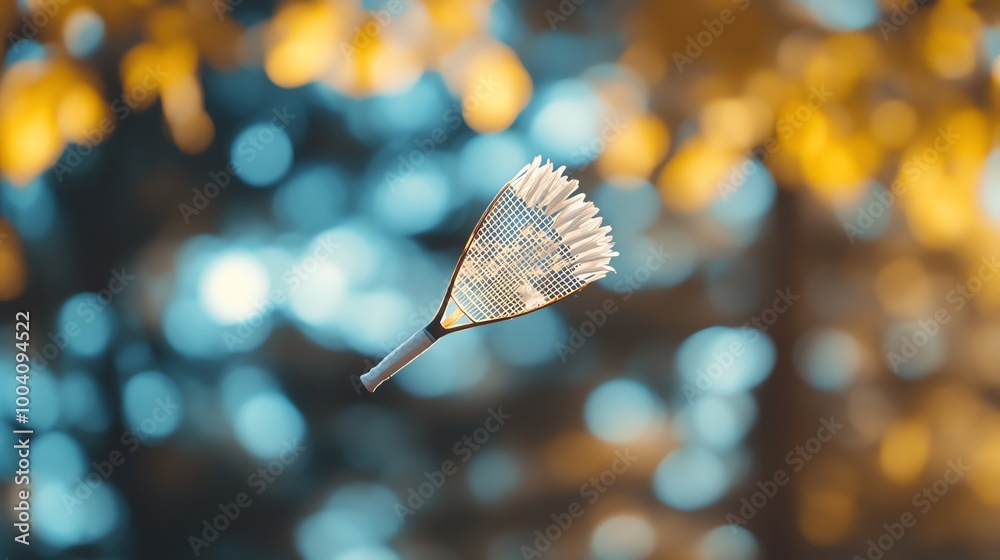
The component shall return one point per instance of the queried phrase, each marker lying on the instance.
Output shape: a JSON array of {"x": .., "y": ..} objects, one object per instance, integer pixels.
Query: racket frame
[{"x": 435, "y": 328}]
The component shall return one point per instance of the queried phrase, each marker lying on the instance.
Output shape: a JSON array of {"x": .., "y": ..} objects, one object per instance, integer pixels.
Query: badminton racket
[{"x": 535, "y": 244}]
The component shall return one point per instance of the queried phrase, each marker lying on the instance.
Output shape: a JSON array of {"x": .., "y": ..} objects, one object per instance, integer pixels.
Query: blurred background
[{"x": 219, "y": 213}]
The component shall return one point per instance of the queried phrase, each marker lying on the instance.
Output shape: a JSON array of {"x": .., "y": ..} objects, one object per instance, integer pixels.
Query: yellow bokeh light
[
  {"x": 738, "y": 122},
  {"x": 141, "y": 69},
  {"x": 182, "y": 99},
  {"x": 693, "y": 177},
  {"x": 893, "y": 123},
  {"x": 495, "y": 87},
  {"x": 951, "y": 46},
  {"x": 455, "y": 21},
  {"x": 941, "y": 219},
  {"x": 32, "y": 140},
  {"x": 839, "y": 171},
  {"x": 168, "y": 23},
  {"x": 392, "y": 68},
  {"x": 984, "y": 479},
  {"x": 194, "y": 134},
  {"x": 177, "y": 59},
  {"x": 802, "y": 132},
  {"x": 13, "y": 272},
  {"x": 645, "y": 60},
  {"x": 841, "y": 62},
  {"x": 80, "y": 110},
  {"x": 939, "y": 175},
  {"x": 826, "y": 517},
  {"x": 304, "y": 41},
  {"x": 904, "y": 288},
  {"x": 643, "y": 143},
  {"x": 904, "y": 451}
]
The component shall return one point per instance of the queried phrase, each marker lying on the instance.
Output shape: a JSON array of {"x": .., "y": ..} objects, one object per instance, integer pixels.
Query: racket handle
[{"x": 402, "y": 355}]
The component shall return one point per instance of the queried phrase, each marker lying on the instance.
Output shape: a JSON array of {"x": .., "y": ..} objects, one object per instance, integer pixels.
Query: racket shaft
[{"x": 397, "y": 359}]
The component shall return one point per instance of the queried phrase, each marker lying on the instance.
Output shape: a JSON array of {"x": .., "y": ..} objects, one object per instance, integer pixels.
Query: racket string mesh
[{"x": 534, "y": 246}]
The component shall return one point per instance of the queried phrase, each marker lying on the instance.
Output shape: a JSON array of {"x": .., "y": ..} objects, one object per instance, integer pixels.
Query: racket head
[{"x": 524, "y": 252}]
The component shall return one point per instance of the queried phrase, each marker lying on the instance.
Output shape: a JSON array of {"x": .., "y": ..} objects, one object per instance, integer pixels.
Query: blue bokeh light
[
  {"x": 234, "y": 287},
  {"x": 31, "y": 208},
  {"x": 453, "y": 365},
  {"x": 312, "y": 199},
  {"x": 829, "y": 359},
  {"x": 530, "y": 341},
  {"x": 989, "y": 187},
  {"x": 646, "y": 262},
  {"x": 320, "y": 297},
  {"x": 83, "y": 406},
  {"x": 690, "y": 478},
  {"x": 261, "y": 154},
  {"x": 83, "y": 32},
  {"x": 45, "y": 389},
  {"x": 728, "y": 542},
  {"x": 83, "y": 522},
  {"x": 493, "y": 475},
  {"x": 353, "y": 523},
  {"x": 623, "y": 537},
  {"x": 724, "y": 360},
  {"x": 719, "y": 421},
  {"x": 191, "y": 332},
  {"x": 621, "y": 410},
  {"x": 628, "y": 205},
  {"x": 417, "y": 111},
  {"x": 57, "y": 458},
  {"x": 241, "y": 383},
  {"x": 152, "y": 405},
  {"x": 23, "y": 51},
  {"x": 567, "y": 122},
  {"x": 91, "y": 319},
  {"x": 845, "y": 15},
  {"x": 412, "y": 203},
  {"x": 751, "y": 196},
  {"x": 911, "y": 352},
  {"x": 488, "y": 161},
  {"x": 267, "y": 424}
]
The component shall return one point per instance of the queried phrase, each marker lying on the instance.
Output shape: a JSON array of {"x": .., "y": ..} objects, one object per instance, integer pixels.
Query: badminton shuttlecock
[{"x": 536, "y": 243}]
